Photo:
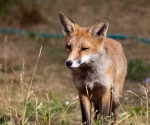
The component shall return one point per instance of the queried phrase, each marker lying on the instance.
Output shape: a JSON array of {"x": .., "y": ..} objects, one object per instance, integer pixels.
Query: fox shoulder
[{"x": 114, "y": 45}]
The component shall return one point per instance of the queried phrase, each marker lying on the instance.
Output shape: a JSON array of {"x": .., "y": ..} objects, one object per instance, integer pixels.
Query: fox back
[{"x": 98, "y": 66}]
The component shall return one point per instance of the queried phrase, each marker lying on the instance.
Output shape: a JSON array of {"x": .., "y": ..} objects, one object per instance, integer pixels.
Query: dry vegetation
[{"x": 35, "y": 86}]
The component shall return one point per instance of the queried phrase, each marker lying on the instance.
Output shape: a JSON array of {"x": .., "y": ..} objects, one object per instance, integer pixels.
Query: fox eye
[
  {"x": 84, "y": 48},
  {"x": 68, "y": 47}
]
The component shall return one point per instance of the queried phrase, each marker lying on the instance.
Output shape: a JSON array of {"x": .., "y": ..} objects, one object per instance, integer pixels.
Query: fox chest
[{"x": 92, "y": 80}]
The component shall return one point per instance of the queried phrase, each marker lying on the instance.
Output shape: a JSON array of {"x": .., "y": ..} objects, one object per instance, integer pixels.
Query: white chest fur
[{"x": 92, "y": 78}]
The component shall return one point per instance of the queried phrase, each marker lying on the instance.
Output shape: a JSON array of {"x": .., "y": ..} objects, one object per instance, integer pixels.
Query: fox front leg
[
  {"x": 85, "y": 104},
  {"x": 115, "y": 112},
  {"x": 105, "y": 105}
]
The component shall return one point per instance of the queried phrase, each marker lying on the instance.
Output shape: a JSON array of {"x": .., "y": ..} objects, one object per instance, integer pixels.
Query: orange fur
[{"x": 98, "y": 66}]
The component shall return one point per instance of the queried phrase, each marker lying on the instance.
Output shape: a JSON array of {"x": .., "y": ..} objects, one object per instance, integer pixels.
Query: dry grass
[{"x": 39, "y": 90}]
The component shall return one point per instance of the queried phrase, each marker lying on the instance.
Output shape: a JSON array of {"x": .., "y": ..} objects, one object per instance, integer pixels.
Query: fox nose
[{"x": 69, "y": 63}]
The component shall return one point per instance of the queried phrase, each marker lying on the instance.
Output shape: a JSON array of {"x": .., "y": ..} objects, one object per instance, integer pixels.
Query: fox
[{"x": 98, "y": 66}]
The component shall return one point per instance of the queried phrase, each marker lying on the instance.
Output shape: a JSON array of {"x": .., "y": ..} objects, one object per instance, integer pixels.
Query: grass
[
  {"x": 25, "y": 103},
  {"x": 25, "y": 108},
  {"x": 28, "y": 108},
  {"x": 20, "y": 96}
]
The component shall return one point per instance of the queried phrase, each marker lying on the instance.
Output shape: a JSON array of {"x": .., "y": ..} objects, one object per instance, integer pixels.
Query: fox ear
[
  {"x": 67, "y": 24},
  {"x": 100, "y": 29}
]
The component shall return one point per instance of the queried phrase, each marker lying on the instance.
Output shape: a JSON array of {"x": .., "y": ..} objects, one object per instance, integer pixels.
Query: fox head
[{"x": 83, "y": 45}]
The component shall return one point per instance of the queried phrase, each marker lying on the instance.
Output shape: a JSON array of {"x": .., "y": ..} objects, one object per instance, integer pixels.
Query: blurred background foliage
[
  {"x": 26, "y": 12},
  {"x": 137, "y": 70},
  {"x": 128, "y": 17}
]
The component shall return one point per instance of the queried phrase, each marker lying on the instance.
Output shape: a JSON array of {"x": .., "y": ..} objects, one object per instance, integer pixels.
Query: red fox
[{"x": 98, "y": 66}]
